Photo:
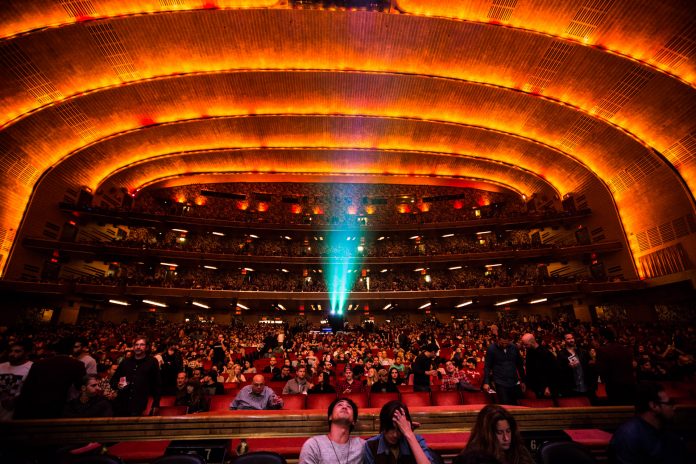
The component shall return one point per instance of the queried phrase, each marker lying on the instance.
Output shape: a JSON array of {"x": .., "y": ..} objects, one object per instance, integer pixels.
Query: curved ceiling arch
[
  {"x": 88, "y": 67},
  {"x": 327, "y": 161},
  {"x": 630, "y": 35}
]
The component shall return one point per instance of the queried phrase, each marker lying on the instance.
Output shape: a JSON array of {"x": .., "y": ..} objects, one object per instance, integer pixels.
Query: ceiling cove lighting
[
  {"x": 169, "y": 264},
  {"x": 540, "y": 300},
  {"x": 119, "y": 302},
  {"x": 240, "y": 305},
  {"x": 200, "y": 305},
  {"x": 210, "y": 267},
  {"x": 155, "y": 303},
  {"x": 466, "y": 303},
  {"x": 448, "y": 235},
  {"x": 387, "y": 306},
  {"x": 253, "y": 236},
  {"x": 484, "y": 232},
  {"x": 454, "y": 268},
  {"x": 426, "y": 305},
  {"x": 219, "y": 234},
  {"x": 183, "y": 231},
  {"x": 506, "y": 302},
  {"x": 383, "y": 271},
  {"x": 493, "y": 265}
]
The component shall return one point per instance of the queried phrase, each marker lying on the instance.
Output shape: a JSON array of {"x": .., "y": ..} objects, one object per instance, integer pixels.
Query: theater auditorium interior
[{"x": 360, "y": 178}]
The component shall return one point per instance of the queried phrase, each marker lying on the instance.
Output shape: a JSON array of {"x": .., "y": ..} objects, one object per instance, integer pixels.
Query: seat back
[
  {"x": 536, "y": 403},
  {"x": 320, "y": 400},
  {"x": 172, "y": 410},
  {"x": 574, "y": 402},
  {"x": 167, "y": 400},
  {"x": 414, "y": 399},
  {"x": 476, "y": 398},
  {"x": 221, "y": 402},
  {"x": 445, "y": 398},
  {"x": 294, "y": 401},
  {"x": 260, "y": 457},
  {"x": 567, "y": 452},
  {"x": 360, "y": 399},
  {"x": 180, "y": 459},
  {"x": 377, "y": 400}
]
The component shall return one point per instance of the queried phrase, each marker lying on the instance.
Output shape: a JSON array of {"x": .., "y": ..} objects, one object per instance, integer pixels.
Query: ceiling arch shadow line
[
  {"x": 492, "y": 24},
  {"x": 192, "y": 74},
  {"x": 157, "y": 158},
  {"x": 530, "y": 140}
]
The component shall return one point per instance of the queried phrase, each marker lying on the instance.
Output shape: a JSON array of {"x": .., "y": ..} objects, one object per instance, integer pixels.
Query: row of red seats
[{"x": 377, "y": 400}]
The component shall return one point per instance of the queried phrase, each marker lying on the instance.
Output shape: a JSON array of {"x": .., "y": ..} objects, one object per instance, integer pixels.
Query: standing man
[
  {"x": 136, "y": 379},
  {"x": 643, "y": 439},
  {"x": 615, "y": 367},
  {"x": 81, "y": 352},
  {"x": 504, "y": 368},
  {"x": 540, "y": 368},
  {"x": 48, "y": 384},
  {"x": 423, "y": 368},
  {"x": 257, "y": 396},
  {"x": 574, "y": 372},
  {"x": 336, "y": 447},
  {"x": 172, "y": 365},
  {"x": 12, "y": 375}
]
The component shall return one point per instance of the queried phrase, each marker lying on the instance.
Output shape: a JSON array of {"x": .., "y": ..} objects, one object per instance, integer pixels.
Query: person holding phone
[{"x": 396, "y": 442}]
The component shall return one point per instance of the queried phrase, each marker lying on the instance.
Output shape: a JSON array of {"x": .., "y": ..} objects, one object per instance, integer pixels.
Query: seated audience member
[
  {"x": 350, "y": 384},
  {"x": 236, "y": 376},
  {"x": 450, "y": 377},
  {"x": 12, "y": 374},
  {"x": 196, "y": 398},
  {"x": 90, "y": 403},
  {"x": 249, "y": 367},
  {"x": 257, "y": 396},
  {"x": 324, "y": 385},
  {"x": 61, "y": 372},
  {"x": 105, "y": 382},
  {"x": 298, "y": 384},
  {"x": 383, "y": 385},
  {"x": 283, "y": 375},
  {"x": 210, "y": 384},
  {"x": 181, "y": 395},
  {"x": 370, "y": 377},
  {"x": 495, "y": 432},
  {"x": 337, "y": 446},
  {"x": 471, "y": 377},
  {"x": 395, "y": 377},
  {"x": 644, "y": 439},
  {"x": 396, "y": 442}
]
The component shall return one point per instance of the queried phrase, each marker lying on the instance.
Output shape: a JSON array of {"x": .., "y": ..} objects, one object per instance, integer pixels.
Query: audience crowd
[{"x": 195, "y": 360}]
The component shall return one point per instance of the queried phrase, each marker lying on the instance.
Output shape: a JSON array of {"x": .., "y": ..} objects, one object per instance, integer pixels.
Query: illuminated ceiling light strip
[
  {"x": 425, "y": 305},
  {"x": 448, "y": 235},
  {"x": 493, "y": 265},
  {"x": 484, "y": 232},
  {"x": 454, "y": 268},
  {"x": 284, "y": 270},
  {"x": 383, "y": 271},
  {"x": 506, "y": 302},
  {"x": 540, "y": 300},
  {"x": 169, "y": 264},
  {"x": 240, "y": 305},
  {"x": 387, "y": 306},
  {"x": 200, "y": 305},
  {"x": 253, "y": 236},
  {"x": 281, "y": 306},
  {"x": 248, "y": 269},
  {"x": 419, "y": 269},
  {"x": 119, "y": 302},
  {"x": 155, "y": 303},
  {"x": 381, "y": 238},
  {"x": 183, "y": 231},
  {"x": 220, "y": 234},
  {"x": 466, "y": 303},
  {"x": 210, "y": 267},
  {"x": 414, "y": 237}
]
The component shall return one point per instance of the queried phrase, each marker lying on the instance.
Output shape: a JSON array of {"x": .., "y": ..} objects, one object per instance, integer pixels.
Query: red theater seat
[
  {"x": 445, "y": 398},
  {"x": 167, "y": 400},
  {"x": 221, "y": 402},
  {"x": 536, "y": 403},
  {"x": 320, "y": 401},
  {"x": 295, "y": 401},
  {"x": 476, "y": 398},
  {"x": 415, "y": 399},
  {"x": 360, "y": 399},
  {"x": 139, "y": 451},
  {"x": 172, "y": 411},
  {"x": 574, "y": 402},
  {"x": 405, "y": 388},
  {"x": 592, "y": 438},
  {"x": 377, "y": 400}
]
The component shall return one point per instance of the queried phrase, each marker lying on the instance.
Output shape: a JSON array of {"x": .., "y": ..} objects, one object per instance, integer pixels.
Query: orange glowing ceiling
[{"x": 550, "y": 96}]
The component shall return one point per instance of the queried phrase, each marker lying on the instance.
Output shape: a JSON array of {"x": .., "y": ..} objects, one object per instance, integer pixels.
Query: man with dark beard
[
  {"x": 574, "y": 370},
  {"x": 135, "y": 380}
]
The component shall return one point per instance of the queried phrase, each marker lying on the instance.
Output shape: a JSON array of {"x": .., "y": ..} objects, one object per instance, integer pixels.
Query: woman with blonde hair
[{"x": 235, "y": 374}]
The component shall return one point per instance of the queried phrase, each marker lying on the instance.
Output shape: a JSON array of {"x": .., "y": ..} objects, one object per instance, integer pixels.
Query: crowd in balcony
[{"x": 347, "y": 205}]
